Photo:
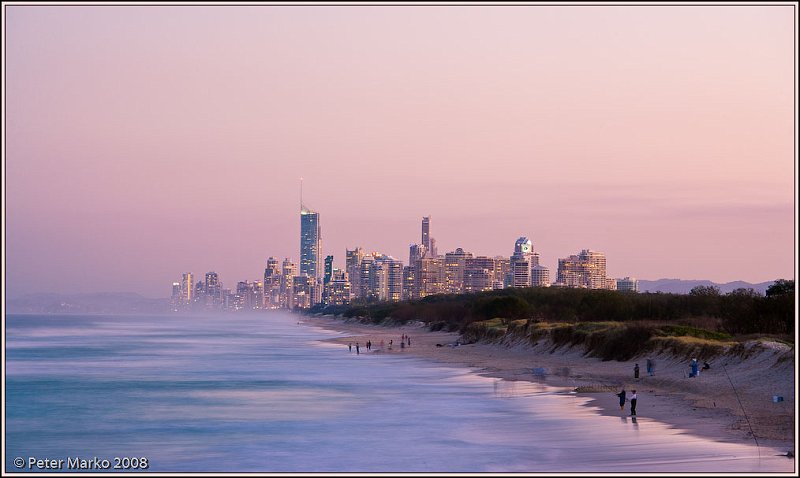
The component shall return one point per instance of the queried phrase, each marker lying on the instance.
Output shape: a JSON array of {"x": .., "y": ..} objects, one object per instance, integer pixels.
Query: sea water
[{"x": 266, "y": 393}]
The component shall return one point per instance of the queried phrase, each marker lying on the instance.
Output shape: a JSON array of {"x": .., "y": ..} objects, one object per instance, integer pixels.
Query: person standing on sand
[
  {"x": 350, "y": 347},
  {"x": 636, "y": 371},
  {"x": 621, "y": 396},
  {"x": 633, "y": 404},
  {"x": 409, "y": 340},
  {"x": 649, "y": 367},
  {"x": 357, "y": 349}
]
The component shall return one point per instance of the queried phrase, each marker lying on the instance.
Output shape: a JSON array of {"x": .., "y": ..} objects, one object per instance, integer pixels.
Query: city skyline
[{"x": 148, "y": 141}]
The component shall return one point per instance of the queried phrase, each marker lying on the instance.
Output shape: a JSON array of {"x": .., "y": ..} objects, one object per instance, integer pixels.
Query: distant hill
[
  {"x": 680, "y": 286},
  {"x": 97, "y": 303}
]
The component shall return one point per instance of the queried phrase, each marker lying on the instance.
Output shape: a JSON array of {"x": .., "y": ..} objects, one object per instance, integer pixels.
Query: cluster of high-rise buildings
[{"x": 373, "y": 276}]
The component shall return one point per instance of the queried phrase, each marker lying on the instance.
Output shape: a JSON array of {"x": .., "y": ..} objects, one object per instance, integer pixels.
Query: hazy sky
[{"x": 147, "y": 141}]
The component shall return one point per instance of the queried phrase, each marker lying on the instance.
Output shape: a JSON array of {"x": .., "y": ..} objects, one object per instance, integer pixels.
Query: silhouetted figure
[
  {"x": 636, "y": 371},
  {"x": 621, "y": 396},
  {"x": 358, "y": 351},
  {"x": 633, "y": 403},
  {"x": 651, "y": 370},
  {"x": 350, "y": 347}
]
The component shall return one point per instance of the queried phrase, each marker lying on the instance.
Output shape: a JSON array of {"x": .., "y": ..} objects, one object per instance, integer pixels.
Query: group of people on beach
[
  {"x": 623, "y": 398},
  {"x": 405, "y": 341}
]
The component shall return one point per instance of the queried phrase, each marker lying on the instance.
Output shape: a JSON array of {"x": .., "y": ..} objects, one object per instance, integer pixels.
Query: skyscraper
[
  {"x": 213, "y": 289},
  {"x": 426, "y": 232},
  {"x": 310, "y": 237},
  {"x": 353, "y": 267},
  {"x": 187, "y": 287},
  {"x": 272, "y": 284},
  {"x": 288, "y": 271},
  {"x": 328, "y": 268},
  {"x": 521, "y": 263}
]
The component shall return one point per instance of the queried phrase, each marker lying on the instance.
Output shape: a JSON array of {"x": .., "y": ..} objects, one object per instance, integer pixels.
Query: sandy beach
[{"x": 731, "y": 402}]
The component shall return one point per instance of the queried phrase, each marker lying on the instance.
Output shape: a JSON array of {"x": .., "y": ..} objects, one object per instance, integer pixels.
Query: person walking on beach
[
  {"x": 409, "y": 340},
  {"x": 636, "y": 371},
  {"x": 633, "y": 404},
  {"x": 357, "y": 349},
  {"x": 369, "y": 344},
  {"x": 651, "y": 367},
  {"x": 621, "y": 396},
  {"x": 350, "y": 347}
]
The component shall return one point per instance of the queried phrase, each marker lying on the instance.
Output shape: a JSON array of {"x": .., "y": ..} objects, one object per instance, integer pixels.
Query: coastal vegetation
[{"x": 611, "y": 325}]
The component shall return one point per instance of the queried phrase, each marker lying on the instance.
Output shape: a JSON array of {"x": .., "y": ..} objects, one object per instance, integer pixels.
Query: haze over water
[{"x": 262, "y": 393}]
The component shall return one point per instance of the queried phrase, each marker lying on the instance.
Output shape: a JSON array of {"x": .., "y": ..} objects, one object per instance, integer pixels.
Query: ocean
[{"x": 265, "y": 393}]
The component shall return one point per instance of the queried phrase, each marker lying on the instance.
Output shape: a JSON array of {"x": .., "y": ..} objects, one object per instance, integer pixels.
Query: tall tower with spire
[{"x": 310, "y": 238}]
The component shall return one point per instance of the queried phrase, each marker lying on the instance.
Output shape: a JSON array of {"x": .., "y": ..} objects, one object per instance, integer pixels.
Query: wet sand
[{"x": 732, "y": 402}]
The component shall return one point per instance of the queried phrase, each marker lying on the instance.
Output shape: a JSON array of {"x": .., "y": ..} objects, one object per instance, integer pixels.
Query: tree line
[{"x": 739, "y": 312}]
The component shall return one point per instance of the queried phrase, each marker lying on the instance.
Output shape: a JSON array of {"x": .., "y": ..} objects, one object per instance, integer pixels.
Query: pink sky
[{"x": 143, "y": 142}]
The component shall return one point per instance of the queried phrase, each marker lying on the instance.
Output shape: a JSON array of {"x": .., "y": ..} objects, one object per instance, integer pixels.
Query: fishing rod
[{"x": 755, "y": 438}]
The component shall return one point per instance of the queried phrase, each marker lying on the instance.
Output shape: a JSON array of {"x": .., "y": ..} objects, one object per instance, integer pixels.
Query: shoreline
[{"x": 705, "y": 406}]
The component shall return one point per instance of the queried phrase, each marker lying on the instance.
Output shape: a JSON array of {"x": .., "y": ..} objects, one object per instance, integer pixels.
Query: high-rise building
[
  {"x": 328, "y": 268},
  {"x": 416, "y": 252},
  {"x": 365, "y": 282},
  {"x": 394, "y": 283},
  {"x": 409, "y": 283},
  {"x": 288, "y": 273},
  {"x": 479, "y": 274},
  {"x": 305, "y": 292},
  {"x": 454, "y": 263},
  {"x": 429, "y": 277},
  {"x": 521, "y": 263},
  {"x": 176, "y": 301},
  {"x": 587, "y": 270},
  {"x": 337, "y": 290},
  {"x": 630, "y": 284},
  {"x": 426, "y": 232},
  {"x": 272, "y": 284},
  {"x": 540, "y": 276},
  {"x": 310, "y": 237},
  {"x": 187, "y": 287},
  {"x": 502, "y": 272},
  {"x": 353, "y": 268},
  {"x": 245, "y": 296},
  {"x": 213, "y": 289}
]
